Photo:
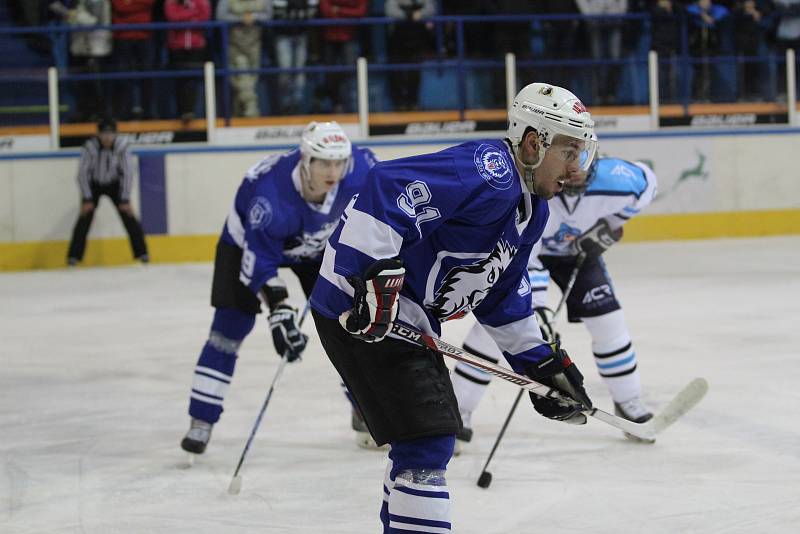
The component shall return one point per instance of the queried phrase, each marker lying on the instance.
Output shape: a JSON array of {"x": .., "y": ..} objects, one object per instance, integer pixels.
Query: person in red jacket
[
  {"x": 187, "y": 48},
  {"x": 133, "y": 52},
  {"x": 340, "y": 47}
]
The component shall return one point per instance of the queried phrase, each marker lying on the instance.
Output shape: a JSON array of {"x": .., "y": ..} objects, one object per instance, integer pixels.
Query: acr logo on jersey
[
  {"x": 566, "y": 234},
  {"x": 598, "y": 293},
  {"x": 493, "y": 166},
  {"x": 465, "y": 286},
  {"x": 259, "y": 213}
]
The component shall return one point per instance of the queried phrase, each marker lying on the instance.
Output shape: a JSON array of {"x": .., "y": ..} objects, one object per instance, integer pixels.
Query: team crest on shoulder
[
  {"x": 259, "y": 214},
  {"x": 493, "y": 166}
]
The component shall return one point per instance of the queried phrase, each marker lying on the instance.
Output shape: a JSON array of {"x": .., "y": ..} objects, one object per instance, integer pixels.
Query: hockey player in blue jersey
[
  {"x": 285, "y": 209},
  {"x": 586, "y": 218},
  {"x": 431, "y": 238}
]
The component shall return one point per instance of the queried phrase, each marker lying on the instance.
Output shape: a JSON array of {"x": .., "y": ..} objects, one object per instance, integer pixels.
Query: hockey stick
[
  {"x": 485, "y": 478},
  {"x": 681, "y": 404},
  {"x": 236, "y": 482}
]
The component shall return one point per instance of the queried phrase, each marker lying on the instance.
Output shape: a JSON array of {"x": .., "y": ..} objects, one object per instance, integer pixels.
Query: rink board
[{"x": 711, "y": 184}]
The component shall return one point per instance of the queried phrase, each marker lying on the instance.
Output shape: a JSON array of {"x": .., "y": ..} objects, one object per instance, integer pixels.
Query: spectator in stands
[
  {"x": 511, "y": 37},
  {"x": 291, "y": 51},
  {"x": 244, "y": 49},
  {"x": 133, "y": 52},
  {"x": 605, "y": 43},
  {"x": 476, "y": 44},
  {"x": 340, "y": 47},
  {"x": 514, "y": 37},
  {"x": 666, "y": 41},
  {"x": 787, "y": 34},
  {"x": 560, "y": 41},
  {"x": 88, "y": 51},
  {"x": 752, "y": 21},
  {"x": 187, "y": 49},
  {"x": 705, "y": 20},
  {"x": 409, "y": 40}
]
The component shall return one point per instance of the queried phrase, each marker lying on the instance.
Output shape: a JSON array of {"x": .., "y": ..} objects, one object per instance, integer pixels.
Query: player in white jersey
[{"x": 587, "y": 217}]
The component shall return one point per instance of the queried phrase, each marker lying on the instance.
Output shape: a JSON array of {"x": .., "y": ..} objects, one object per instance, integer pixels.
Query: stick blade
[
  {"x": 485, "y": 480},
  {"x": 684, "y": 401},
  {"x": 236, "y": 485}
]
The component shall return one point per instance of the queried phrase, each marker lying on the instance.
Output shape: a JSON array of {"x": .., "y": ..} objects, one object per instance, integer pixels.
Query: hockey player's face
[
  {"x": 325, "y": 174},
  {"x": 561, "y": 161}
]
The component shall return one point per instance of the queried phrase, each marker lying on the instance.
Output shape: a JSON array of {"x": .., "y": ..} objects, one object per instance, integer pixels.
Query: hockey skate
[
  {"x": 197, "y": 438},
  {"x": 363, "y": 437},
  {"x": 634, "y": 410}
]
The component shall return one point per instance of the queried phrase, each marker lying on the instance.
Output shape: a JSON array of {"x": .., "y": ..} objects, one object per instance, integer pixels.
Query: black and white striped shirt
[{"x": 103, "y": 166}]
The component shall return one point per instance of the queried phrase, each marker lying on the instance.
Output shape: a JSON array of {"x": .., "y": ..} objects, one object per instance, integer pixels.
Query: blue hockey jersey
[
  {"x": 272, "y": 223},
  {"x": 464, "y": 225}
]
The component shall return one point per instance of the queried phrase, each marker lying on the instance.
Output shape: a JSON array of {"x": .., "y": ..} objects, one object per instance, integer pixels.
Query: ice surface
[{"x": 96, "y": 364}]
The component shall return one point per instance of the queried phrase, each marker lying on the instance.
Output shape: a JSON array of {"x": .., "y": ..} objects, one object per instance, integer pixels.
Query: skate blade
[
  {"x": 188, "y": 461},
  {"x": 365, "y": 441}
]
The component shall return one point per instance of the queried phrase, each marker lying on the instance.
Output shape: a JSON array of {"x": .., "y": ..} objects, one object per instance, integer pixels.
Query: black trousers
[
  {"x": 593, "y": 293},
  {"x": 227, "y": 291},
  {"x": 186, "y": 88},
  {"x": 77, "y": 245},
  {"x": 403, "y": 391}
]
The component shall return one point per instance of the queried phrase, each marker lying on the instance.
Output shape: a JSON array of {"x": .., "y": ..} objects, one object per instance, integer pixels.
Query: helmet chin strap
[
  {"x": 527, "y": 169},
  {"x": 305, "y": 175}
]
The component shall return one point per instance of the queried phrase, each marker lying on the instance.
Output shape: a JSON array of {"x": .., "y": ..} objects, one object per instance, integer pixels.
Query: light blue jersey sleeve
[{"x": 620, "y": 178}]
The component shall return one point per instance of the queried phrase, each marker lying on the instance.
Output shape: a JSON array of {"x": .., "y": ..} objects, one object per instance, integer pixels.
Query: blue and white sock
[
  {"x": 214, "y": 369},
  {"x": 614, "y": 355},
  {"x": 418, "y": 499}
]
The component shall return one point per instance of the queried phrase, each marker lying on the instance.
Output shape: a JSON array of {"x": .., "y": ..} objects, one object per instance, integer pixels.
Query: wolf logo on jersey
[
  {"x": 566, "y": 234},
  {"x": 465, "y": 286},
  {"x": 309, "y": 245}
]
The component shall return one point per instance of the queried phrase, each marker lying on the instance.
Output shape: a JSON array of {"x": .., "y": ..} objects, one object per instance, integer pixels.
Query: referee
[{"x": 106, "y": 168}]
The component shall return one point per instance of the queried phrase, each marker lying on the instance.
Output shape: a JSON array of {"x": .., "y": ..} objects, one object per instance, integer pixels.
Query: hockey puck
[{"x": 485, "y": 480}]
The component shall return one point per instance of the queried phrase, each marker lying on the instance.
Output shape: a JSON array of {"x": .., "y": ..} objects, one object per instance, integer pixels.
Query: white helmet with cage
[
  {"x": 324, "y": 140},
  {"x": 551, "y": 111}
]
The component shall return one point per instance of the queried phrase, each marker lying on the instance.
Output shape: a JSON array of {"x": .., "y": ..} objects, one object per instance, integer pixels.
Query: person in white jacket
[
  {"x": 88, "y": 53},
  {"x": 605, "y": 42}
]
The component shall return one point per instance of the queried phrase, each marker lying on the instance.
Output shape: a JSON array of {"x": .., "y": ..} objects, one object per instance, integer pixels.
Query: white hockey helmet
[
  {"x": 324, "y": 140},
  {"x": 551, "y": 110}
]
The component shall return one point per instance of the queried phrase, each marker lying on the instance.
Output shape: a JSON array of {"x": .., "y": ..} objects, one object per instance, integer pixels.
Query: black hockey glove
[
  {"x": 596, "y": 239},
  {"x": 558, "y": 372},
  {"x": 286, "y": 335},
  {"x": 374, "y": 300},
  {"x": 544, "y": 317}
]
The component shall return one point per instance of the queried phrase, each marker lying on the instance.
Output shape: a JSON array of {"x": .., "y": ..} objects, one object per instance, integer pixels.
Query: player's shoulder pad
[
  {"x": 617, "y": 177},
  {"x": 365, "y": 155},
  {"x": 435, "y": 169},
  {"x": 486, "y": 164},
  {"x": 274, "y": 165}
]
